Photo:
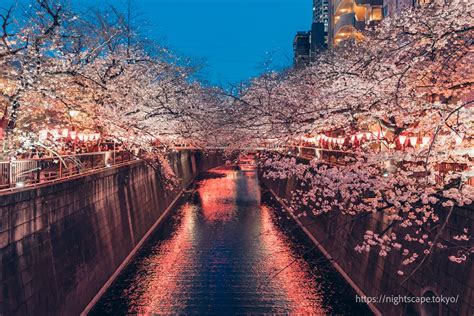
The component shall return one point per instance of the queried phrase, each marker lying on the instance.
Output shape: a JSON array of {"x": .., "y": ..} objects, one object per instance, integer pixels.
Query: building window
[{"x": 376, "y": 14}]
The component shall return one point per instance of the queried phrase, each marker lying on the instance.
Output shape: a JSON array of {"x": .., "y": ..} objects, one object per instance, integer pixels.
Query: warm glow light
[
  {"x": 73, "y": 134},
  {"x": 459, "y": 139},
  {"x": 43, "y": 134},
  {"x": 413, "y": 141},
  {"x": 73, "y": 113},
  {"x": 425, "y": 140},
  {"x": 360, "y": 136},
  {"x": 368, "y": 135},
  {"x": 55, "y": 133},
  {"x": 402, "y": 139},
  {"x": 64, "y": 132},
  {"x": 353, "y": 138},
  {"x": 20, "y": 184},
  {"x": 80, "y": 136}
]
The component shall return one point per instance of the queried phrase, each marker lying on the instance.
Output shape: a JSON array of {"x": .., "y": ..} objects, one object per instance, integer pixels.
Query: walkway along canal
[{"x": 229, "y": 249}]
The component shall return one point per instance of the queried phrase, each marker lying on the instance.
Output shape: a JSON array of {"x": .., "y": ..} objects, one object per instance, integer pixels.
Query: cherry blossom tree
[{"x": 409, "y": 78}]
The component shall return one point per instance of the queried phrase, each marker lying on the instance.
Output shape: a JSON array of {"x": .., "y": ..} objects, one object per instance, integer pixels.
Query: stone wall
[
  {"x": 374, "y": 275},
  {"x": 60, "y": 243}
]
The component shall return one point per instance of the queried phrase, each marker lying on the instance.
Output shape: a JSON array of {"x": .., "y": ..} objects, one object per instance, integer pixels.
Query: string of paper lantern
[
  {"x": 403, "y": 140},
  {"x": 65, "y": 133}
]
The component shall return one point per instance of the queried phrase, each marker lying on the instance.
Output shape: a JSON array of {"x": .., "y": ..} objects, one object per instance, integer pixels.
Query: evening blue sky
[{"x": 233, "y": 37}]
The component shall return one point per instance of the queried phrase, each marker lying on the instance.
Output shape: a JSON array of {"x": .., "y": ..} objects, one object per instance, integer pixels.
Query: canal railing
[{"x": 27, "y": 172}]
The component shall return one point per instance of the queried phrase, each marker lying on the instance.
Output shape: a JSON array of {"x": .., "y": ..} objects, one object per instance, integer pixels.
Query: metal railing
[{"x": 21, "y": 173}]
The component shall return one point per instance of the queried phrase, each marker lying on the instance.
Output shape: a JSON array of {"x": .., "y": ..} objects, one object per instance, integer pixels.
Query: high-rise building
[
  {"x": 348, "y": 17},
  {"x": 301, "y": 48},
  {"x": 320, "y": 22}
]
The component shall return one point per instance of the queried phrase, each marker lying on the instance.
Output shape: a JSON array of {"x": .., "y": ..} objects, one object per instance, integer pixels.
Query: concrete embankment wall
[
  {"x": 60, "y": 243},
  {"x": 377, "y": 276}
]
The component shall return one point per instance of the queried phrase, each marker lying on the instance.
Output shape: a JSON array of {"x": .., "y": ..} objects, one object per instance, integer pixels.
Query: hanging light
[
  {"x": 413, "y": 140},
  {"x": 402, "y": 139},
  {"x": 425, "y": 140},
  {"x": 64, "y": 132},
  {"x": 458, "y": 139},
  {"x": 80, "y": 136},
  {"x": 442, "y": 139},
  {"x": 353, "y": 138},
  {"x": 43, "y": 134},
  {"x": 340, "y": 140},
  {"x": 55, "y": 133},
  {"x": 73, "y": 113},
  {"x": 360, "y": 136},
  {"x": 368, "y": 135},
  {"x": 382, "y": 134},
  {"x": 73, "y": 134}
]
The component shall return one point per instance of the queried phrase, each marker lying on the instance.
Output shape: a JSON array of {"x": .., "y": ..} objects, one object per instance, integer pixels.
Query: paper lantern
[
  {"x": 64, "y": 132},
  {"x": 360, "y": 136},
  {"x": 43, "y": 134},
  {"x": 442, "y": 139},
  {"x": 72, "y": 134},
  {"x": 402, "y": 139},
  {"x": 353, "y": 138},
  {"x": 413, "y": 141},
  {"x": 80, "y": 136},
  {"x": 425, "y": 140},
  {"x": 368, "y": 135},
  {"x": 458, "y": 139},
  {"x": 55, "y": 133}
]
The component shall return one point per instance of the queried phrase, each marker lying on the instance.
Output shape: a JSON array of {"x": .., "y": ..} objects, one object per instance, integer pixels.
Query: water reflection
[{"x": 224, "y": 253}]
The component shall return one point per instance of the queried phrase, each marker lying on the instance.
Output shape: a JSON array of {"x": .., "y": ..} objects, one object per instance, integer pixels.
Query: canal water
[{"x": 228, "y": 250}]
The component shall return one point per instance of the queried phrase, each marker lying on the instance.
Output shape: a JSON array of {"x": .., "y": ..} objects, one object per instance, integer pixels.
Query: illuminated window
[{"x": 377, "y": 14}]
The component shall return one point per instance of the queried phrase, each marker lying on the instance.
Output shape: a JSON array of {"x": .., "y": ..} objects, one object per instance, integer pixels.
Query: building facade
[
  {"x": 347, "y": 18},
  {"x": 320, "y": 26},
  {"x": 335, "y": 21},
  {"x": 301, "y": 48}
]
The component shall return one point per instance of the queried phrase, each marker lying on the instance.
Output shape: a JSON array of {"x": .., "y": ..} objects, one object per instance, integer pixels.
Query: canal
[{"x": 228, "y": 249}]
